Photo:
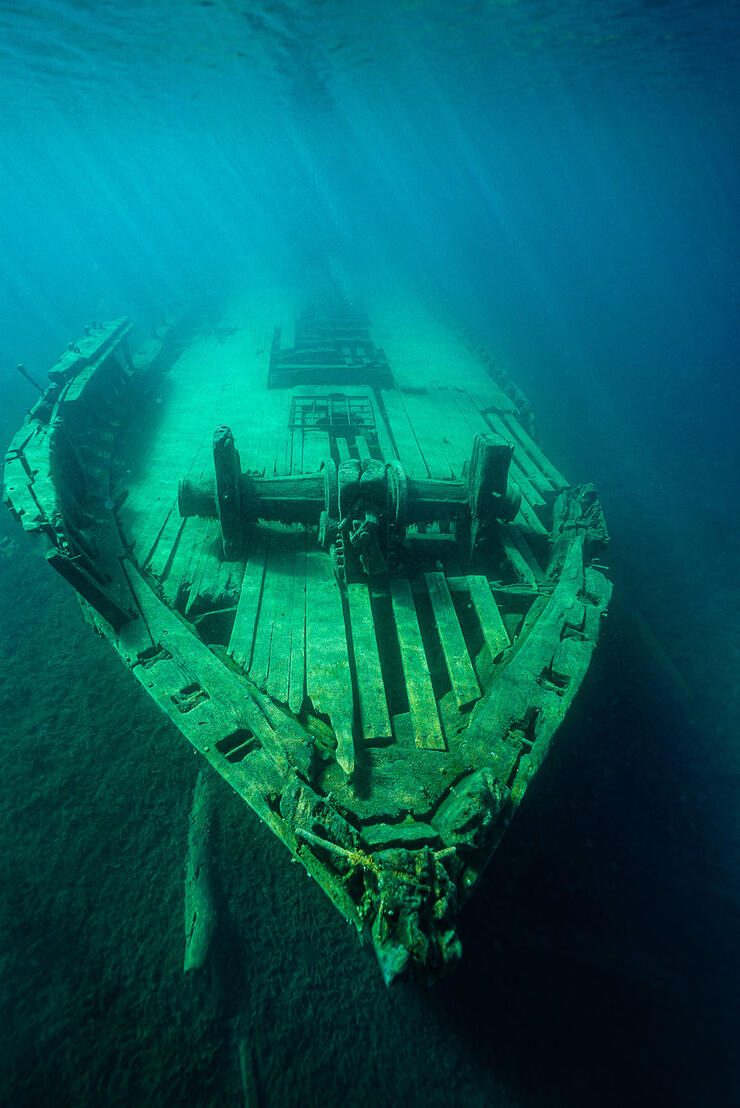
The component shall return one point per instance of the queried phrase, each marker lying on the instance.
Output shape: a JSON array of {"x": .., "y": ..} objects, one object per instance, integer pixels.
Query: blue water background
[{"x": 560, "y": 178}]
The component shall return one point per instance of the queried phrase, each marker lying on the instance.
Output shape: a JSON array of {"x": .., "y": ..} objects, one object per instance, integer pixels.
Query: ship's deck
[{"x": 414, "y": 654}]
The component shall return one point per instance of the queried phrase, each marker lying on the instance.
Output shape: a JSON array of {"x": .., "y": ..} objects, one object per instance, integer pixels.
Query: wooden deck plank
[
  {"x": 470, "y": 411},
  {"x": 532, "y": 483},
  {"x": 495, "y": 396},
  {"x": 439, "y": 447},
  {"x": 260, "y": 663},
  {"x": 407, "y": 447},
  {"x": 521, "y": 462},
  {"x": 284, "y": 452},
  {"x": 526, "y": 551},
  {"x": 179, "y": 576},
  {"x": 160, "y": 554},
  {"x": 316, "y": 447},
  {"x": 421, "y": 349},
  {"x": 278, "y": 675},
  {"x": 376, "y": 723},
  {"x": 492, "y": 625},
  {"x": 528, "y": 520},
  {"x": 297, "y": 682},
  {"x": 385, "y": 445},
  {"x": 242, "y": 633},
  {"x": 296, "y": 456},
  {"x": 422, "y": 703},
  {"x": 204, "y": 563},
  {"x": 343, "y": 450},
  {"x": 328, "y": 680},
  {"x": 459, "y": 666},
  {"x": 522, "y": 569},
  {"x": 363, "y": 450},
  {"x": 536, "y": 453},
  {"x": 534, "y": 497}
]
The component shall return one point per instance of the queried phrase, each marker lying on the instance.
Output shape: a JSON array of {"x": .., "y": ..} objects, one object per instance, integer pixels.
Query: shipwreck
[{"x": 328, "y": 545}]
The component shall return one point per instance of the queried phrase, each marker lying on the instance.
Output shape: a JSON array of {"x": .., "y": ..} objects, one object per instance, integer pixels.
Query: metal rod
[{"x": 22, "y": 370}]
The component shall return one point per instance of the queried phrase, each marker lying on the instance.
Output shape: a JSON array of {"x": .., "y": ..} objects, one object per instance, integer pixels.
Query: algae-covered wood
[{"x": 328, "y": 545}]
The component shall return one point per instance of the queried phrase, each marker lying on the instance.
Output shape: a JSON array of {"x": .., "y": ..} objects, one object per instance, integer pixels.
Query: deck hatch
[{"x": 334, "y": 411}]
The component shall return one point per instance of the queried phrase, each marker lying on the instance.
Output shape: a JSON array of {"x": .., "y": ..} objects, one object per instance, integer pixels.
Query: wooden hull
[{"x": 367, "y": 600}]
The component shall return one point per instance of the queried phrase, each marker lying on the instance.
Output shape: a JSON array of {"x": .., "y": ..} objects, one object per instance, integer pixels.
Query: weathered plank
[
  {"x": 242, "y": 633},
  {"x": 204, "y": 566},
  {"x": 533, "y": 484},
  {"x": 343, "y": 450},
  {"x": 443, "y": 447},
  {"x": 328, "y": 679},
  {"x": 278, "y": 676},
  {"x": 179, "y": 576},
  {"x": 422, "y": 703},
  {"x": 526, "y": 552},
  {"x": 385, "y": 446},
  {"x": 536, "y": 453},
  {"x": 528, "y": 519},
  {"x": 260, "y": 663},
  {"x": 492, "y": 625},
  {"x": 403, "y": 435},
  {"x": 363, "y": 450},
  {"x": 316, "y": 447},
  {"x": 459, "y": 666},
  {"x": 163, "y": 549},
  {"x": 522, "y": 569},
  {"x": 297, "y": 681},
  {"x": 374, "y": 715},
  {"x": 534, "y": 497},
  {"x": 227, "y": 703}
]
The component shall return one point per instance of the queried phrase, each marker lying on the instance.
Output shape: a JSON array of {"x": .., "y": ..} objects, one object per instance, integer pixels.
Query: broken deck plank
[
  {"x": 376, "y": 723},
  {"x": 205, "y": 566},
  {"x": 328, "y": 679},
  {"x": 176, "y": 584},
  {"x": 278, "y": 675},
  {"x": 242, "y": 633},
  {"x": 534, "y": 497},
  {"x": 343, "y": 450},
  {"x": 262, "y": 644},
  {"x": 363, "y": 450},
  {"x": 459, "y": 666},
  {"x": 442, "y": 452},
  {"x": 521, "y": 567},
  {"x": 526, "y": 552},
  {"x": 492, "y": 625},
  {"x": 422, "y": 702},
  {"x": 297, "y": 681},
  {"x": 159, "y": 557},
  {"x": 528, "y": 519}
]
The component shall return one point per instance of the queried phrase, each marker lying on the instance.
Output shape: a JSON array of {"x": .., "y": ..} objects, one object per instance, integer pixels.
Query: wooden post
[
  {"x": 491, "y": 494},
  {"x": 228, "y": 500}
]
